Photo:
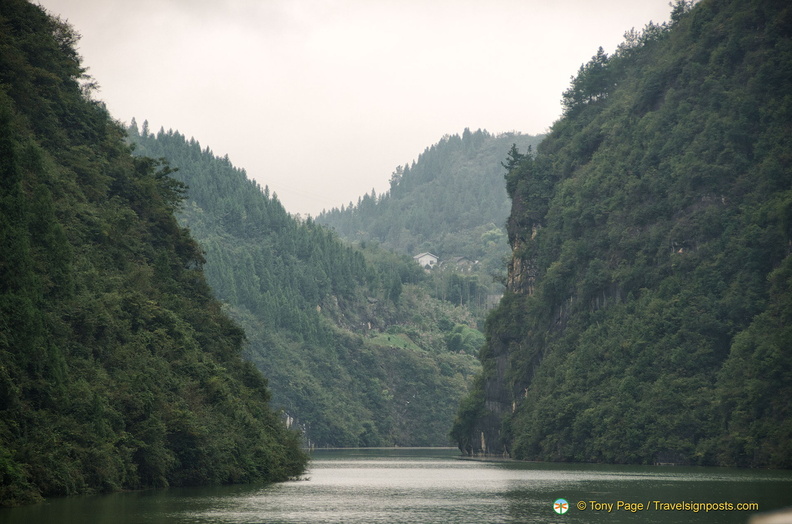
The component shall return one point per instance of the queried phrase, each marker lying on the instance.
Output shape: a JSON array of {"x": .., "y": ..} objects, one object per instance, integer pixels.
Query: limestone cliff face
[
  {"x": 523, "y": 271},
  {"x": 501, "y": 391},
  {"x": 487, "y": 437}
]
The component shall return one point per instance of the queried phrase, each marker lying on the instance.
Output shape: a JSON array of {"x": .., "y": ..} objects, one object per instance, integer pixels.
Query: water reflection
[{"x": 431, "y": 486}]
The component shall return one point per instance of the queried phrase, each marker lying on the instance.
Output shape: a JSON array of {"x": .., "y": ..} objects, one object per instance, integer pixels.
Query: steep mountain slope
[
  {"x": 647, "y": 318},
  {"x": 118, "y": 369},
  {"x": 356, "y": 353},
  {"x": 451, "y": 202}
]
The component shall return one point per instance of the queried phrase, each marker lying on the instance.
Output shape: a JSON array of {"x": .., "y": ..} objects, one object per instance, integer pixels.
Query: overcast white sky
[{"x": 321, "y": 100}]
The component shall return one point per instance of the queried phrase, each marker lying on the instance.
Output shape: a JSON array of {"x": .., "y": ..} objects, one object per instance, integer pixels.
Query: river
[{"x": 427, "y": 486}]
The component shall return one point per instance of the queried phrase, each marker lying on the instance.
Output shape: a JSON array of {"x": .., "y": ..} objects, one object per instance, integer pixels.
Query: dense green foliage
[
  {"x": 118, "y": 369},
  {"x": 355, "y": 351},
  {"x": 647, "y": 318},
  {"x": 450, "y": 202}
]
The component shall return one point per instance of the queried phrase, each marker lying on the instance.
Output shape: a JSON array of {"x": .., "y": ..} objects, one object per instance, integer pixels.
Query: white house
[{"x": 426, "y": 259}]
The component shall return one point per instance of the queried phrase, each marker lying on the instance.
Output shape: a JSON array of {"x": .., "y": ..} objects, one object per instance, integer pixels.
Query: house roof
[{"x": 421, "y": 255}]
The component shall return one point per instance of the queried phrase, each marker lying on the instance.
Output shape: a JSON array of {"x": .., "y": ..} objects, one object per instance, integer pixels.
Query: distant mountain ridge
[
  {"x": 451, "y": 201},
  {"x": 355, "y": 351}
]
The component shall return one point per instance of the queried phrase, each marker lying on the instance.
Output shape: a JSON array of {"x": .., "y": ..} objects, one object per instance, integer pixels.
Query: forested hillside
[
  {"x": 450, "y": 202},
  {"x": 118, "y": 369},
  {"x": 355, "y": 351},
  {"x": 649, "y": 305}
]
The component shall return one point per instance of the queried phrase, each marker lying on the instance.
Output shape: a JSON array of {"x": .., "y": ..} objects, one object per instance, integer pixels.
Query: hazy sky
[{"x": 321, "y": 100}]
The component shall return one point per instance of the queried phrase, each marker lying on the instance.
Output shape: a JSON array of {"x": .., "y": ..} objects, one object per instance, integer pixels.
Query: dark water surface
[{"x": 431, "y": 486}]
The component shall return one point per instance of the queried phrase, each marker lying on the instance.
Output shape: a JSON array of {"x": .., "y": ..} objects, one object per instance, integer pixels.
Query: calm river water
[{"x": 427, "y": 486}]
